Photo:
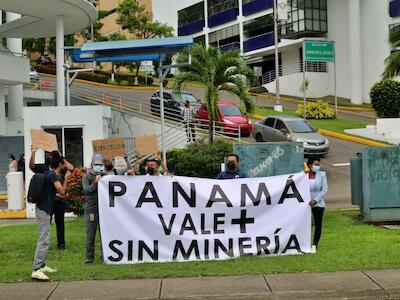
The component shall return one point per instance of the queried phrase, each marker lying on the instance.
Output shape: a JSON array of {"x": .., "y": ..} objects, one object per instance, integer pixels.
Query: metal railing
[
  {"x": 318, "y": 67},
  {"x": 175, "y": 133}
]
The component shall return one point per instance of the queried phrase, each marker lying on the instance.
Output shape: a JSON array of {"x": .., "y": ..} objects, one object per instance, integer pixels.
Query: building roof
[
  {"x": 140, "y": 47},
  {"x": 39, "y": 17}
]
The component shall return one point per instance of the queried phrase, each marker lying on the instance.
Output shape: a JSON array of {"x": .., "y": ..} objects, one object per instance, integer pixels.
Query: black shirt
[
  {"x": 40, "y": 168},
  {"x": 47, "y": 203}
]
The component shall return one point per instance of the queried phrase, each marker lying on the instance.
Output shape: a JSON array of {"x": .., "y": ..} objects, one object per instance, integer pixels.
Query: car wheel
[{"x": 259, "y": 138}]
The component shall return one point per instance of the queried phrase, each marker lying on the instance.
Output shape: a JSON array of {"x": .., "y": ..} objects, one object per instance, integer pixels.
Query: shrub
[
  {"x": 96, "y": 77},
  {"x": 75, "y": 202},
  {"x": 385, "y": 98},
  {"x": 124, "y": 83},
  {"x": 198, "y": 159},
  {"x": 112, "y": 82},
  {"x": 316, "y": 110},
  {"x": 46, "y": 69}
]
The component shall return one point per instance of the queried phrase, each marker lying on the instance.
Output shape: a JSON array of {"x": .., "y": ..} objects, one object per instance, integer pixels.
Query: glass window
[
  {"x": 280, "y": 125},
  {"x": 299, "y": 126},
  {"x": 217, "y": 6},
  {"x": 184, "y": 96},
  {"x": 258, "y": 26},
  {"x": 191, "y": 14},
  {"x": 229, "y": 110},
  {"x": 269, "y": 122}
]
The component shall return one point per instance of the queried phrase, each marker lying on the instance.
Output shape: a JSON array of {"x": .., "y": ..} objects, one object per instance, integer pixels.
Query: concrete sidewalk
[{"x": 339, "y": 285}]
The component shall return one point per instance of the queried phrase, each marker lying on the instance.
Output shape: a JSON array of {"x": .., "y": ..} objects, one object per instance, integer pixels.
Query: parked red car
[{"x": 231, "y": 118}]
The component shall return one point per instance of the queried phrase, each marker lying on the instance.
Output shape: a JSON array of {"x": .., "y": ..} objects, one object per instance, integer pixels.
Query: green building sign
[{"x": 319, "y": 51}]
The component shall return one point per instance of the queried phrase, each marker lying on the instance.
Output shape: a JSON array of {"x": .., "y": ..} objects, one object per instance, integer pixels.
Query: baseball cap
[{"x": 97, "y": 159}]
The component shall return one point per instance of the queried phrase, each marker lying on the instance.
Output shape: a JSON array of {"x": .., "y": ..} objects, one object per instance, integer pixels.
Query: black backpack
[{"x": 37, "y": 188}]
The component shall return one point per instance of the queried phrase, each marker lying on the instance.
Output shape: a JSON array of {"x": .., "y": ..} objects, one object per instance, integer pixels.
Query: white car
[{"x": 33, "y": 75}]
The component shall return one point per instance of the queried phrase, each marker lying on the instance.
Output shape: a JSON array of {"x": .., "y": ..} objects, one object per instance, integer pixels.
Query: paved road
[
  {"x": 339, "y": 194},
  {"x": 144, "y": 97}
]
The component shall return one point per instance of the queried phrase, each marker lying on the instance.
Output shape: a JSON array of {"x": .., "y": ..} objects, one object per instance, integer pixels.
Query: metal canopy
[{"x": 140, "y": 47}]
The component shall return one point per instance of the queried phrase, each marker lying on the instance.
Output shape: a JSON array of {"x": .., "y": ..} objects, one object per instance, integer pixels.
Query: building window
[
  {"x": 305, "y": 18},
  {"x": 70, "y": 143},
  {"x": 226, "y": 38},
  {"x": 217, "y": 6},
  {"x": 200, "y": 40},
  {"x": 191, "y": 14},
  {"x": 258, "y": 26}
]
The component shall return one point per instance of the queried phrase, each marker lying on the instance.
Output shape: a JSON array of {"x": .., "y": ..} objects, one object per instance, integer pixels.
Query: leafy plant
[
  {"x": 75, "y": 202},
  {"x": 216, "y": 71},
  {"x": 385, "y": 98},
  {"x": 316, "y": 110},
  {"x": 198, "y": 159}
]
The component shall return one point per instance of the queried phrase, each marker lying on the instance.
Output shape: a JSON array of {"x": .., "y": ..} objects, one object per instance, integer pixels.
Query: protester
[
  {"x": 188, "y": 114},
  {"x": 12, "y": 166},
  {"x": 232, "y": 166},
  {"x": 44, "y": 209},
  {"x": 89, "y": 184},
  {"x": 109, "y": 167},
  {"x": 318, "y": 189},
  {"x": 59, "y": 206},
  {"x": 142, "y": 164},
  {"x": 21, "y": 164},
  {"x": 153, "y": 166}
]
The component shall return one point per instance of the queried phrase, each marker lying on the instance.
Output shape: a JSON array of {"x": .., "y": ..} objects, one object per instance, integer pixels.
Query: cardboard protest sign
[
  {"x": 146, "y": 145},
  {"x": 110, "y": 148},
  {"x": 44, "y": 140}
]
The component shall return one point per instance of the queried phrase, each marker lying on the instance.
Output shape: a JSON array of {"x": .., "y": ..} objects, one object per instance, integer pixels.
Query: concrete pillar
[
  {"x": 16, "y": 92},
  {"x": 206, "y": 29},
  {"x": 60, "y": 61},
  {"x": 2, "y": 111},
  {"x": 241, "y": 20},
  {"x": 355, "y": 51}
]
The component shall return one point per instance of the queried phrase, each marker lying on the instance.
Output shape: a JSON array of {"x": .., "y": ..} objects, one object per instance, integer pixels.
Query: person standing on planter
[{"x": 318, "y": 189}]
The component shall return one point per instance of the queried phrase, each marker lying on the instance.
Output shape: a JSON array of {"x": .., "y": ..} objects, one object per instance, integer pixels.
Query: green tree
[
  {"x": 216, "y": 71},
  {"x": 34, "y": 45},
  {"x": 392, "y": 62},
  {"x": 116, "y": 37},
  {"x": 69, "y": 40},
  {"x": 132, "y": 16}
]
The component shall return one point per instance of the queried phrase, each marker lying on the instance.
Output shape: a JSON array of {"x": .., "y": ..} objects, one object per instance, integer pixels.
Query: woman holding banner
[{"x": 318, "y": 189}]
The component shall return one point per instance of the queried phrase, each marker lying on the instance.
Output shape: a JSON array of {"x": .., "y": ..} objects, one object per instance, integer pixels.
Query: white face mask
[
  {"x": 315, "y": 169},
  {"x": 98, "y": 168}
]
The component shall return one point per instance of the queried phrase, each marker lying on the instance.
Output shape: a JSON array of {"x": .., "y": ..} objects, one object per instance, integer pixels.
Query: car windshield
[
  {"x": 299, "y": 126},
  {"x": 183, "y": 97},
  {"x": 230, "y": 110}
]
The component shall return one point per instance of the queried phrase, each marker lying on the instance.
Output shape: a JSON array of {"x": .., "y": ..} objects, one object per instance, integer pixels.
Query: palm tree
[
  {"x": 392, "y": 62},
  {"x": 216, "y": 71}
]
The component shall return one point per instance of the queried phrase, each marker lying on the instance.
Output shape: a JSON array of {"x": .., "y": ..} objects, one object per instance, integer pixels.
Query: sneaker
[
  {"x": 61, "y": 246},
  {"x": 313, "y": 249},
  {"x": 47, "y": 269},
  {"x": 39, "y": 275}
]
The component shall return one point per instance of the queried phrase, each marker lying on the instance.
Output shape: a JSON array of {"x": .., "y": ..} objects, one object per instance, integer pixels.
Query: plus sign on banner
[
  {"x": 283, "y": 8},
  {"x": 165, "y": 218}
]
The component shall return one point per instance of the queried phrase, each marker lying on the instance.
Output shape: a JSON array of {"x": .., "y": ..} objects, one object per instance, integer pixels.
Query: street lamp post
[{"x": 278, "y": 106}]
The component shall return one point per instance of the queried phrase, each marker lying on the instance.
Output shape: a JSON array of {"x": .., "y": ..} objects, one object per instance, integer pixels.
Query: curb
[
  {"x": 134, "y": 88},
  {"x": 340, "y": 136},
  {"x": 341, "y": 107},
  {"x": 13, "y": 214}
]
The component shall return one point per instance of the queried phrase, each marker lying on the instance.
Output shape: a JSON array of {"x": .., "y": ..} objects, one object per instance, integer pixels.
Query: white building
[{"x": 359, "y": 28}]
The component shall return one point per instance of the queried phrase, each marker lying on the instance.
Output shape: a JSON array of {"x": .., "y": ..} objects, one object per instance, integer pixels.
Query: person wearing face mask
[
  {"x": 44, "y": 208},
  {"x": 318, "y": 190},
  {"x": 232, "y": 168},
  {"x": 153, "y": 165},
  {"x": 89, "y": 184}
]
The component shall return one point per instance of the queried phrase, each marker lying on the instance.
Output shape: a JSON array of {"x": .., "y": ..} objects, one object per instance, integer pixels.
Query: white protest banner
[{"x": 164, "y": 218}]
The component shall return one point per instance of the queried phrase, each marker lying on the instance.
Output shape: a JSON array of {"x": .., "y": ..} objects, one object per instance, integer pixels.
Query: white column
[
  {"x": 15, "y": 92},
  {"x": 355, "y": 51},
  {"x": 60, "y": 61},
  {"x": 206, "y": 30},
  {"x": 241, "y": 20},
  {"x": 2, "y": 111}
]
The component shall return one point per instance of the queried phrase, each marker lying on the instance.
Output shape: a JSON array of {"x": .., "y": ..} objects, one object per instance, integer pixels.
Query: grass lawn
[
  {"x": 346, "y": 244},
  {"x": 335, "y": 125}
]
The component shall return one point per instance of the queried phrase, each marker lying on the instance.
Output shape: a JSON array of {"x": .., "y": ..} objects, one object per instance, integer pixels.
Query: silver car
[{"x": 293, "y": 129}]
